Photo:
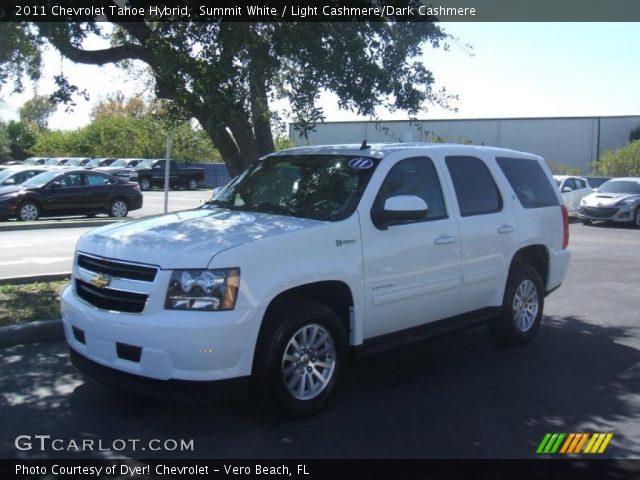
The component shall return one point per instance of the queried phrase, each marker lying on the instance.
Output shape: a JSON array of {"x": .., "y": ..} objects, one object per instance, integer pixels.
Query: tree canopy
[
  {"x": 37, "y": 110},
  {"x": 225, "y": 74}
]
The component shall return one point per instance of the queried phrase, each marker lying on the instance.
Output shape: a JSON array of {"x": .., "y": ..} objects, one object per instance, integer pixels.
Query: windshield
[
  {"x": 30, "y": 161},
  {"x": 5, "y": 174},
  {"x": 92, "y": 163},
  {"x": 72, "y": 162},
  {"x": 41, "y": 179},
  {"x": 144, "y": 164},
  {"x": 320, "y": 187},
  {"x": 53, "y": 161},
  {"x": 118, "y": 163},
  {"x": 620, "y": 186}
]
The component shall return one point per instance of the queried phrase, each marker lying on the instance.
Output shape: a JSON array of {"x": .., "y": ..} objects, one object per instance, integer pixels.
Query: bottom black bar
[{"x": 321, "y": 469}]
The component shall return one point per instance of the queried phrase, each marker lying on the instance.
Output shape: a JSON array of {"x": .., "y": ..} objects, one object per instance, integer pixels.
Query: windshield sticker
[{"x": 361, "y": 163}]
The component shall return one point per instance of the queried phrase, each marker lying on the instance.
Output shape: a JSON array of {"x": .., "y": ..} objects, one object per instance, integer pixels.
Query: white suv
[{"x": 309, "y": 252}]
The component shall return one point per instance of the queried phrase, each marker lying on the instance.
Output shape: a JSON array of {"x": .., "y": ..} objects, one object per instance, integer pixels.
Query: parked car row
[
  {"x": 28, "y": 193},
  {"x": 147, "y": 172}
]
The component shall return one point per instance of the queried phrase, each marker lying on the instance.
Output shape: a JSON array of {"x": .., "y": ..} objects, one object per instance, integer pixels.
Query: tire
[
  {"x": 193, "y": 184},
  {"x": 522, "y": 307},
  {"x": 298, "y": 377},
  {"x": 636, "y": 218},
  {"x": 145, "y": 184},
  {"x": 118, "y": 208},
  {"x": 28, "y": 211}
]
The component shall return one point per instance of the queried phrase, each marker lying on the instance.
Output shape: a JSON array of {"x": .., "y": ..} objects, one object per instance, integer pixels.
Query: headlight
[
  {"x": 625, "y": 203},
  {"x": 203, "y": 290}
]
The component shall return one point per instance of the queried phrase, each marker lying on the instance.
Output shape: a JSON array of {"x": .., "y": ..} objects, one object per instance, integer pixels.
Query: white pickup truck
[{"x": 313, "y": 252}]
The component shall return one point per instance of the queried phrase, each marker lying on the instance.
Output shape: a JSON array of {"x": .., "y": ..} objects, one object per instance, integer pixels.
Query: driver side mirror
[
  {"x": 567, "y": 190},
  {"x": 55, "y": 185},
  {"x": 401, "y": 208}
]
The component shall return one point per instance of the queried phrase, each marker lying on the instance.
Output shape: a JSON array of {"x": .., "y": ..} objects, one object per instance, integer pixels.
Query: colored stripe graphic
[{"x": 553, "y": 443}]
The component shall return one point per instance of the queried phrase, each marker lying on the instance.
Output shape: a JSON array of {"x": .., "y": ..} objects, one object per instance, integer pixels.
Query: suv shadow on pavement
[{"x": 456, "y": 397}]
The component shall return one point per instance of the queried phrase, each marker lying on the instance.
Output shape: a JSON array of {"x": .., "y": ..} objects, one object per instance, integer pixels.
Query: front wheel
[
  {"x": 521, "y": 309},
  {"x": 28, "y": 211},
  {"x": 304, "y": 355}
]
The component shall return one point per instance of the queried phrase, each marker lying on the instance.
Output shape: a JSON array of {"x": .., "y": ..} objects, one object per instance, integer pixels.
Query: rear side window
[
  {"x": 475, "y": 188},
  {"x": 529, "y": 182}
]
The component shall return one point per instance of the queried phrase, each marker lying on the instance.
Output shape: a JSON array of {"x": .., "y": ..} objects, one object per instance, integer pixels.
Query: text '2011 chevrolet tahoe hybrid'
[{"x": 311, "y": 251}]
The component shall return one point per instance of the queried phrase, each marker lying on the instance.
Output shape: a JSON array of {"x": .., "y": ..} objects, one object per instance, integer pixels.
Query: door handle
[
  {"x": 505, "y": 228},
  {"x": 445, "y": 239}
]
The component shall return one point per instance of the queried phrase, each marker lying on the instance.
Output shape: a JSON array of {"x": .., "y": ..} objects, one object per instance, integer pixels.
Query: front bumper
[
  {"x": 622, "y": 214},
  {"x": 157, "y": 343}
]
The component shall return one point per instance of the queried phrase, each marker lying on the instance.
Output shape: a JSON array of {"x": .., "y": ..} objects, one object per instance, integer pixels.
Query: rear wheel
[
  {"x": 302, "y": 351},
  {"x": 193, "y": 184},
  {"x": 521, "y": 309},
  {"x": 118, "y": 208},
  {"x": 145, "y": 184},
  {"x": 28, "y": 211}
]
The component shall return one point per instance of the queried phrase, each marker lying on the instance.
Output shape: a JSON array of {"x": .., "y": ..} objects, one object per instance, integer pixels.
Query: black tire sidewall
[
  {"x": 503, "y": 327},
  {"x": 302, "y": 313}
]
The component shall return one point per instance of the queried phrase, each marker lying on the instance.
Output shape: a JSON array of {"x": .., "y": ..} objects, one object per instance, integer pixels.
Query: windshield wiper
[{"x": 270, "y": 208}]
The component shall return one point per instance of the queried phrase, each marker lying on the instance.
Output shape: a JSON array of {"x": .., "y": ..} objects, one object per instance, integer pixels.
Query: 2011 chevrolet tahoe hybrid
[{"x": 313, "y": 252}]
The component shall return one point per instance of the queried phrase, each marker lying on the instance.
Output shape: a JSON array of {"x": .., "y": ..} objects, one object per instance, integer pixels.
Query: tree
[
  {"x": 623, "y": 162},
  {"x": 226, "y": 73},
  {"x": 37, "y": 110},
  {"x": 22, "y": 137}
]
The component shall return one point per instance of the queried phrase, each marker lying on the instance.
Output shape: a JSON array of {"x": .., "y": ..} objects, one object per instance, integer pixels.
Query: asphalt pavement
[
  {"x": 457, "y": 397},
  {"x": 38, "y": 251}
]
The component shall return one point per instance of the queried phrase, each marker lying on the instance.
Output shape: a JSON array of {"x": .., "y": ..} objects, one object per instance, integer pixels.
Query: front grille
[
  {"x": 117, "y": 269},
  {"x": 109, "y": 299},
  {"x": 599, "y": 212}
]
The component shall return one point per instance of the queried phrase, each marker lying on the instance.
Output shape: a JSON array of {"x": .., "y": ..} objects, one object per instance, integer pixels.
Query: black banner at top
[{"x": 321, "y": 10}]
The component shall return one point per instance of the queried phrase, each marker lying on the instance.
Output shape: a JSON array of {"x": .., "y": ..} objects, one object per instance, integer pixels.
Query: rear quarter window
[{"x": 529, "y": 182}]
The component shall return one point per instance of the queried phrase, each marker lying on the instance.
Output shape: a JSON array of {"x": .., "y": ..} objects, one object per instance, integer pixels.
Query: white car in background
[
  {"x": 617, "y": 200},
  {"x": 573, "y": 190}
]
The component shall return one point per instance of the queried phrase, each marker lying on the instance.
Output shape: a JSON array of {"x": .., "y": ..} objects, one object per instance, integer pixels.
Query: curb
[
  {"x": 19, "y": 226},
  {"x": 34, "y": 332},
  {"x": 47, "y": 277}
]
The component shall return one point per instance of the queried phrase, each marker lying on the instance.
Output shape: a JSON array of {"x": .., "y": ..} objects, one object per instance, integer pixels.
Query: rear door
[
  {"x": 487, "y": 229},
  {"x": 97, "y": 190},
  {"x": 411, "y": 268}
]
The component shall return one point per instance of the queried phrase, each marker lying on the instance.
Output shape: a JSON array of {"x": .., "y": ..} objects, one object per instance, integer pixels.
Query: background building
[{"x": 575, "y": 141}]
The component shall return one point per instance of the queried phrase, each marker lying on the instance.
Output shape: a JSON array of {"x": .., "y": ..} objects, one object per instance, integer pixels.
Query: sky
[{"x": 513, "y": 70}]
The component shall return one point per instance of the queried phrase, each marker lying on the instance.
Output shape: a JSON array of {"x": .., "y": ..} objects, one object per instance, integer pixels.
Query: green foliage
[
  {"x": 22, "y": 137},
  {"x": 5, "y": 148},
  {"x": 562, "y": 168},
  {"x": 624, "y": 162},
  {"x": 282, "y": 142},
  {"x": 127, "y": 129},
  {"x": 634, "y": 134},
  {"x": 37, "y": 110},
  {"x": 19, "y": 54}
]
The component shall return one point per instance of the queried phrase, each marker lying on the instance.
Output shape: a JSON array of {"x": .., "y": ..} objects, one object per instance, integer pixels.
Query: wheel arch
[
  {"x": 335, "y": 294},
  {"x": 535, "y": 255}
]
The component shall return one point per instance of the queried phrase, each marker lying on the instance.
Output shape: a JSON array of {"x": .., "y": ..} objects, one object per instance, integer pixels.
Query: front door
[{"x": 412, "y": 268}]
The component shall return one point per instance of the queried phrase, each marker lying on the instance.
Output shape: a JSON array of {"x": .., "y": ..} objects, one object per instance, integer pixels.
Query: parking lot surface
[{"x": 456, "y": 397}]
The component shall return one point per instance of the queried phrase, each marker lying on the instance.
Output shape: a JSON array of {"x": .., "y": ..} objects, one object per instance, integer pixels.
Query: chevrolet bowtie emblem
[{"x": 100, "y": 280}]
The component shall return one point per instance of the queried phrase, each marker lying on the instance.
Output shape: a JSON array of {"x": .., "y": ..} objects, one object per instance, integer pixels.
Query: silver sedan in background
[{"x": 617, "y": 200}]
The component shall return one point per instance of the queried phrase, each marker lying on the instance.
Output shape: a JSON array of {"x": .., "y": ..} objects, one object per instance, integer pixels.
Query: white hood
[{"x": 187, "y": 239}]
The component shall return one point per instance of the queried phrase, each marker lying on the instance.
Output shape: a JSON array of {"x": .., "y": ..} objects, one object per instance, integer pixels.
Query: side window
[
  {"x": 475, "y": 188},
  {"x": 529, "y": 182},
  {"x": 414, "y": 176},
  {"x": 580, "y": 184},
  {"x": 94, "y": 180},
  {"x": 71, "y": 180},
  {"x": 570, "y": 182}
]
